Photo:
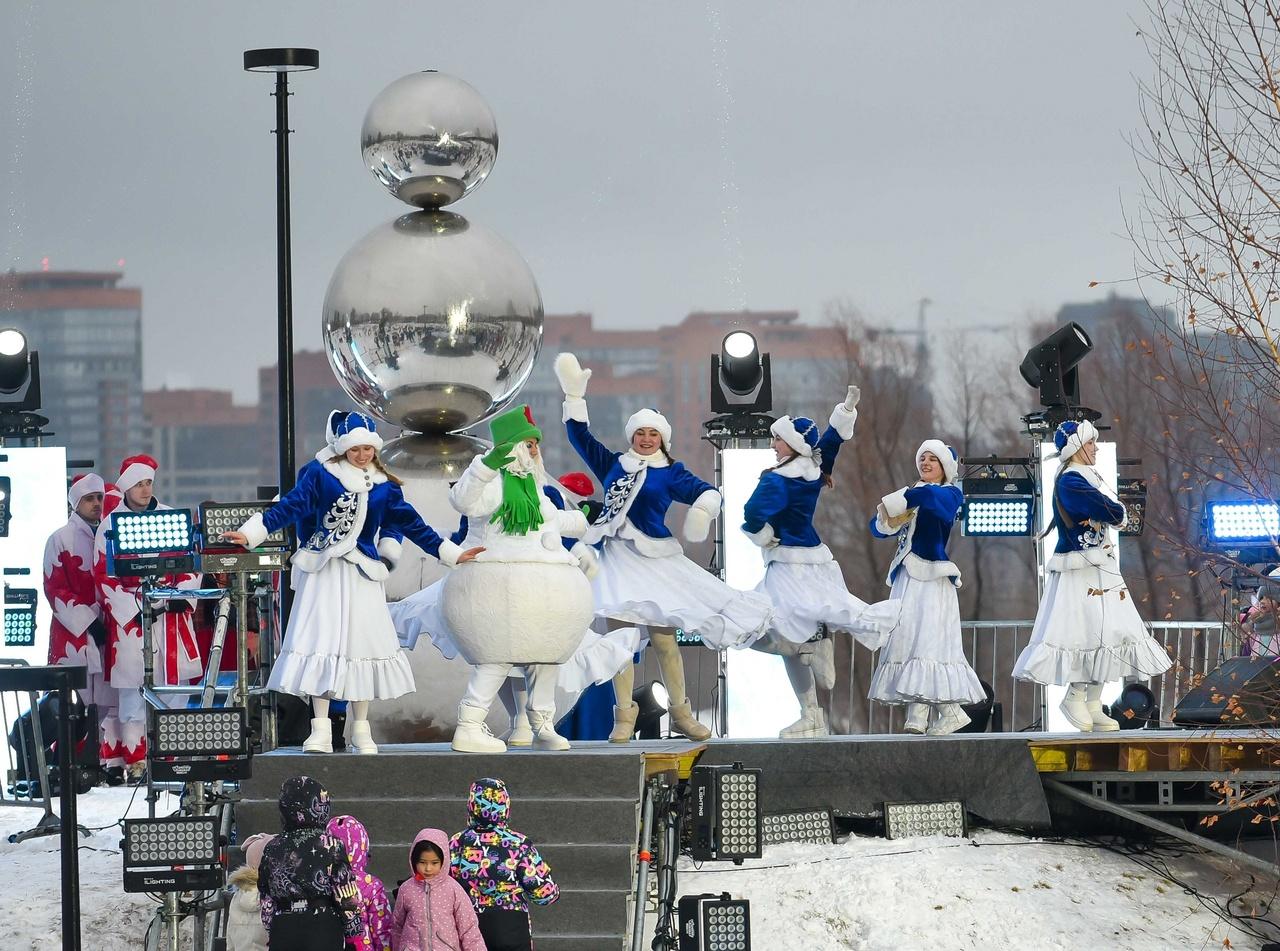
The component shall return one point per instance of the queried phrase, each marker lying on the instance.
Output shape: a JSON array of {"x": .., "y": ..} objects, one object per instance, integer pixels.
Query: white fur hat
[
  {"x": 946, "y": 455},
  {"x": 801, "y": 433},
  {"x": 84, "y": 485},
  {"x": 348, "y": 430},
  {"x": 1071, "y": 436},
  {"x": 652, "y": 419}
]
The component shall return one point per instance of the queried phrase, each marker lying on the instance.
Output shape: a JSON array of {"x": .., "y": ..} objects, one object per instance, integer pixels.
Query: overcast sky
[{"x": 655, "y": 158}]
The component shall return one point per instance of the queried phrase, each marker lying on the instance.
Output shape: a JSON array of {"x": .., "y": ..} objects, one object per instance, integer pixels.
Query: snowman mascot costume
[
  {"x": 525, "y": 600},
  {"x": 1088, "y": 630}
]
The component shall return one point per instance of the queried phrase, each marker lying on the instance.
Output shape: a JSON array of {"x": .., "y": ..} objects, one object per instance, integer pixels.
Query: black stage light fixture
[
  {"x": 986, "y": 714},
  {"x": 19, "y": 617},
  {"x": 15, "y": 361},
  {"x": 725, "y": 819},
  {"x": 175, "y": 854},
  {"x": 6, "y": 487},
  {"x": 1132, "y": 494},
  {"x": 19, "y": 388},
  {"x": 741, "y": 381},
  {"x": 905, "y": 820},
  {"x": 142, "y": 544},
  {"x": 1135, "y": 708},
  {"x": 1051, "y": 365},
  {"x": 218, "y": 555},
  {"x": 996, "y": 506},
  {"x": 652, "y": 700},
  {"x": 714, "y": 923},
  {"x": 816, "y": 826},
  {"x": 202, "y": 744}
]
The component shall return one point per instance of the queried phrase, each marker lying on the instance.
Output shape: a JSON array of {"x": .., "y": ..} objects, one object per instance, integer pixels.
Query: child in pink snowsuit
[
  {"x": 375, "y": 908},
  {"x": 433, "y": 912}
]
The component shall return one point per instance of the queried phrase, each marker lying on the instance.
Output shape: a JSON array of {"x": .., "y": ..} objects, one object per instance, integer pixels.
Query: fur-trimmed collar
[
  {"x": 632, "y": 461},
  {"x": 801, "y": 467},
  {"x": 352, "y": 478}
]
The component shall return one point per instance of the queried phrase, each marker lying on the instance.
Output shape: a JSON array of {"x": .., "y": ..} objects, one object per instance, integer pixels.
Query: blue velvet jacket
[
  {"x": 660, "y": 486},
  {"x": 340, "y": 511},
  {"x": 925, "y": 537},
  {"x": 1080, "y": 501},
  {"x": 781, "y": 507}
]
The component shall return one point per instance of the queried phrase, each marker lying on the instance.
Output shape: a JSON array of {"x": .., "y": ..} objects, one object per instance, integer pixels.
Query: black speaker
[{"x": 1252, "y": 683}]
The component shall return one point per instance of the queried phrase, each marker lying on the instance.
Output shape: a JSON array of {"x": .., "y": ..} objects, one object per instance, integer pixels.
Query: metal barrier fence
[
  {"x": 992, "y": 648},
  {"x": 26, "y": 773}
]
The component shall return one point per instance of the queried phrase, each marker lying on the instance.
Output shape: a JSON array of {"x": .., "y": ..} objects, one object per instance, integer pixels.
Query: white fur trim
[
  {"x": 784, "y": 428},
  {"x": 647, "y": 545},
  {"x": 449, "y": 553},
  {"x": 572, "y": 523},
  {"x": 354, "y": 479},
  {"x": 652, "y": 419},
  {"x": 632, "y": 461},
  {"x": 921, "y": 569},
  {"x": 709, "y": 501},
  {"x": 356, "y": 437},
  {"x": 575, "y": 408},
  {"x": 801, "y": 467},
  {"x": 895, "y": 504},
  {"x": 254, "y": 530},
  {"x": 950, "y": 465},
  {"x": 1100, "y": 557},
  {"x": 91, "y": 483},
  {"x": 797, "y": 555},
  {"x": 134, "y": 473},
  {"x": 842, "y": 420},
  {"x": 697, "y": 525},
  {"x": 765, "y": 538},
  {"x": 476, "y": 494},
  {"x": 390, "y": 549}
]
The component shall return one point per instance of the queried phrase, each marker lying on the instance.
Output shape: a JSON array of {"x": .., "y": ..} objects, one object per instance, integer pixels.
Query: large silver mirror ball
[
  {"x": 432, "y": 322},
  {"x": 429, "y": 138}
]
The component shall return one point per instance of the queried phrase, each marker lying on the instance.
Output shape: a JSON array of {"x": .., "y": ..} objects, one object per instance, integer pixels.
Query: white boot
[
  {"x": 812, "y": 722},
  {"x": 361, "y": 739},
  {"x": 624, "y": 723},
  {"x": 472, "y": 736},
  {"x": 321, "y": 738},
  {"x": 948, "y": 717},
  {"x": 1101, "y": 722},
  {"x": 1075, "y": 707},
  {"x": 544, "y": 735},
  {"x": 917, "y": 718},
  {"x": 521, "y": 732}
]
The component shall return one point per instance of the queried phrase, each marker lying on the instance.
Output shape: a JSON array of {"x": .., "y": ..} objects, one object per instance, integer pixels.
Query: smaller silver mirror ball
[
  {"x": 432, "y": 322},
  {"x": 429, "y": 138}
]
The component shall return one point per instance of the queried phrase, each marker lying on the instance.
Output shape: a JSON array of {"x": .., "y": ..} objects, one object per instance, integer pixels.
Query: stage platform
[{"x": 582, "y": 806}]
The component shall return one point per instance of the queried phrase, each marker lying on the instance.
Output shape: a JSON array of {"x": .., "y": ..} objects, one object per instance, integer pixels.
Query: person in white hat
[
  {"x": 351, "y": 518},
  {"x": 922, "y": 662},
  {"x": 1088, "y": 631},
  {"x": 173, "y": 628},
  {"x": 801, "y": 577},
  {"x": 645, "y": 579},
  {"x": 77, "y": 636}
]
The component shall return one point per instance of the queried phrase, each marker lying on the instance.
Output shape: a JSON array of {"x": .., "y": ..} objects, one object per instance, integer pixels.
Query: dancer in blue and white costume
[
  {"x": 801, "y": 577},
  {"x": 922, "y": 663},
  {"x": 351, "y": 518},
  {"x": 644, "y": 577},
  {"x": 1088, "y": 630}
]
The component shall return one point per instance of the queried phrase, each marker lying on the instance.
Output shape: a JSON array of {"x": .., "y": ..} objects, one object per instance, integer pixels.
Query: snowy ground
[{"x": 993, "y": 891}]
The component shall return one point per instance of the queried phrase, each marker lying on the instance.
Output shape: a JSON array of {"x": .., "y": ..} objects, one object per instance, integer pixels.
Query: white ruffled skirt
[
  {"x": 1095, "y": 638},
  {"x": 923, "y": 660},
  {"x": 596, "y": 660},
  {"x": 340, "y": 643},
  {"x": 805, "y": 596},
  {"x": 671, "y": 591}
]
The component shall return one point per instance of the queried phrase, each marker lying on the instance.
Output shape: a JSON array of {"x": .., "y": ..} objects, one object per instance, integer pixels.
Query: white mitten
[
  {"x": 573, "y": 378},
  {"x": 697, "y": 521},
  {"x": 852, "y": 396},
  {"x": 587, "y": 560}
]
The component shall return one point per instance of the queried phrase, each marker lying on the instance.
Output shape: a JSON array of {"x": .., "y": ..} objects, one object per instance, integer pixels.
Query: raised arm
[
  {"x": 840, "y": 428},
  {"x": 573, "y": 383}
]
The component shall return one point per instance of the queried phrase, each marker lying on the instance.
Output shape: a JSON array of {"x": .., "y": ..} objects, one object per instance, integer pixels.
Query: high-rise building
[{"x": 88, "y": 332}]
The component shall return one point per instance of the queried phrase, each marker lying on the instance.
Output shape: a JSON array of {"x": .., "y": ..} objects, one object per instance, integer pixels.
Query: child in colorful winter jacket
[
  {"x": 500, "y": 869},
  {"x": 244, "y": 915},
  {"x": 375, "y": 908},
  {"x": 433, "y": 912}
]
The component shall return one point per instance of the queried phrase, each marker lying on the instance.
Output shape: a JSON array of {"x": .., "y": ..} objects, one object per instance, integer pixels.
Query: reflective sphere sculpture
[
  {"x": 430, "y": 138},
  {"x": 432, "y": 322}
]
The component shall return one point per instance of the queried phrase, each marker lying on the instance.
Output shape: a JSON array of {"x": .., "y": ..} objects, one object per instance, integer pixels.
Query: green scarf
[{"x": 521, "y": 508}]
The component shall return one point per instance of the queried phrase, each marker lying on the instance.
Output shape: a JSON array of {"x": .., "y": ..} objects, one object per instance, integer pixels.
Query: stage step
[{"x": 581, "y": 808}]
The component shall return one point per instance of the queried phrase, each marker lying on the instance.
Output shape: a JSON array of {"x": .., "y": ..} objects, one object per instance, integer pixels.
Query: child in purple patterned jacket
[
  {"x": 500, "y": 868},
  {"x": 375, "y": 908}
]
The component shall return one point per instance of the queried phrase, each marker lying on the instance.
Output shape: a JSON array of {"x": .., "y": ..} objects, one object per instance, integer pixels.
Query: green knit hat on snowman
[{"x": 521, "y": 508}]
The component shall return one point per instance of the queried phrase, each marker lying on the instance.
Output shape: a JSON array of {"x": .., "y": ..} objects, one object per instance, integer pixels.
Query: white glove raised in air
[
  {"x": 852, "y": 396},
  {"x": 573, "y": 378}
]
